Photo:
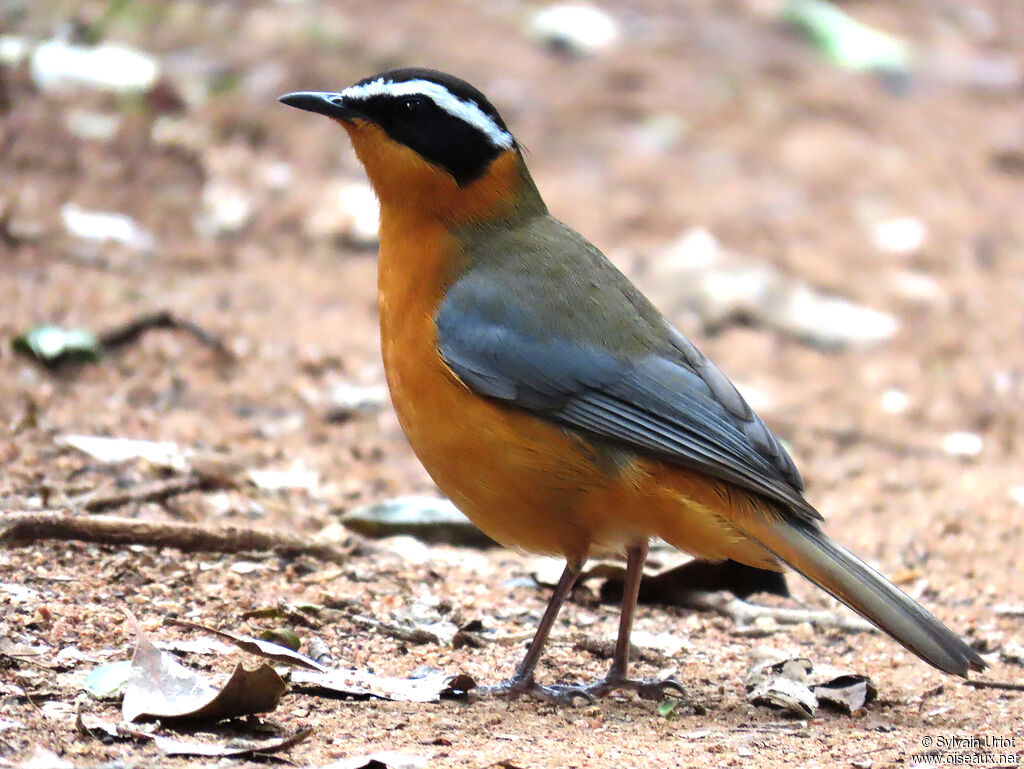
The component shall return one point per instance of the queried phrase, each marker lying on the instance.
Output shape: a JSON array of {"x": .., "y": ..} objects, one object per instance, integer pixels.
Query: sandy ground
[{"x": 708, "y": 114}]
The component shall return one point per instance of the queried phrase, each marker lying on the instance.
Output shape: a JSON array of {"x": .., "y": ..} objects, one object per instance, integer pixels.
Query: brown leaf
[{"x": 160, "y": 687}]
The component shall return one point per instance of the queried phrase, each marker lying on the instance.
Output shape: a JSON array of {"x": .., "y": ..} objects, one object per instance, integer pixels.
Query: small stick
[
  {"x": 25, "y": 527},
  {"x": 408, "y": 635},
  {"x": 94, "y": 501},
  {"x": 133, "y": 329}
]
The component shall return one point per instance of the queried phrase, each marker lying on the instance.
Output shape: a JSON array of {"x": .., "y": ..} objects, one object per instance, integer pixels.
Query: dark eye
[{"x": 410, "y": 107}]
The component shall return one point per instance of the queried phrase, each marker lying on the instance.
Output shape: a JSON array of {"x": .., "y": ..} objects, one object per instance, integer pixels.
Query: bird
[{"x": 551, "y": 401}]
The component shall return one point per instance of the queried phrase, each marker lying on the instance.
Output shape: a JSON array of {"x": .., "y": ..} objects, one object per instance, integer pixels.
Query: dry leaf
[
  {"x": 260, "y": 648},
  {"x": 160, "y": 687},
  {"x": 424, "y": 686}
]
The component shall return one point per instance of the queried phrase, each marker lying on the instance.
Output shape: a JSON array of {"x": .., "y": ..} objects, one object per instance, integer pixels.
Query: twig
[
  {"x": 744, "y": 614},
  {"x": 133, "y": 329},
  {"x": 157, "y": 491},
  {"x": 1007, "y": 685},
  {"x": 399, "y": 633},
  {"x": 21, "y": 528}
]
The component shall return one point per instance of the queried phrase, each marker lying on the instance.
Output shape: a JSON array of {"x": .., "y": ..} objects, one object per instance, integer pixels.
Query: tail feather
[{"x": 808, "y": 550}]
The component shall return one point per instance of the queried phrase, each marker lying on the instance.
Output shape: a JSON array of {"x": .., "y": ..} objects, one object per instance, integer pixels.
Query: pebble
[
  {"x": 96, "y": 126},
  {"x": 581, "y": 29},
  {"x": 428, "y": 519},
  {"x": 13, "y": 50},
  {"x": 962, "y": 444},
  {"x": 118, "y": 450},
  {"x": 226, "y": 209},
  {"x": 346, "y": 401},
  {"x": 895, "y": 401},
  {"x": 902, "y": 236},
  {"x": 58, "y": 65},
  {"x": 347, "y": 210},
  {"x": 295, "y": 477},
  {"x": 106, "y": 226}
]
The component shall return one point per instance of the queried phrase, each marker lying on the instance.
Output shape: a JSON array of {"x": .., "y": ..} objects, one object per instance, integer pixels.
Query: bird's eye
[{"x": 410, "y": 107}]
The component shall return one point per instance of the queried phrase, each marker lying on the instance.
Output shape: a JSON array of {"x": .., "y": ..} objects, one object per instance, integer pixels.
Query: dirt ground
[{"x": 708, "y": 114}]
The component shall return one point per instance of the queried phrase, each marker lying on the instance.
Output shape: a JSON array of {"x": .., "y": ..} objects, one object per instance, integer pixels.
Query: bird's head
[{"x": 429, "y": 141}]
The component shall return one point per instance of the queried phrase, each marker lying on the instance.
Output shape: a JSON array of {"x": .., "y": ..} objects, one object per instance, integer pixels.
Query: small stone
[
  {"x": 60, "y": 65},
  {"x": 119, "y": 450},
  {"x": 347, "y": 210},
  {"x": 697, "y": 248},
  {"x": 579, "y": 29},
  {"x": 226, "y": 209},
  {"x": 96, "y": 126},
  {"x": 903, "y": 236},
  {"x": 428, "y": 519},
  {"x": 13, "y": 50},
  {"x": 962, "y": 444},
  {"x": 106, "y": 226},
  {"x": 347, "y": 401},
  {"x": 895, "y": 401},
  {"x": 295, "y": 477}
]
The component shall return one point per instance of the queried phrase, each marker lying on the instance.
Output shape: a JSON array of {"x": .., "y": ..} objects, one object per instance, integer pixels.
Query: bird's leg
[
  {"x": 522, "y": 682},
  {"x": 636, "y": 556}
]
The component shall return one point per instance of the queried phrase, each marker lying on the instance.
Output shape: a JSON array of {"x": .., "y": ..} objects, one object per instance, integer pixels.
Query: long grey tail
[{"x": 806, "y": 548}]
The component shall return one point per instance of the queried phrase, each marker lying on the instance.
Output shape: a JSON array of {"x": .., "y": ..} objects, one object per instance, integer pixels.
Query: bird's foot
[
  {"x": 556, "y": 694},
  {"x": 646, "y": 688},
  {"x": 586, "y": 694}
]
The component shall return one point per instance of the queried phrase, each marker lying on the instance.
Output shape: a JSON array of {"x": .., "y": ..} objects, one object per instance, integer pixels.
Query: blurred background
[{"x": 826, "y": 197}]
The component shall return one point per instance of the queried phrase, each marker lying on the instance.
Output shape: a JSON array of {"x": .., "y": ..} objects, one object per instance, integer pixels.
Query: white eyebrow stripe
[{"x": 467, "y": 111}]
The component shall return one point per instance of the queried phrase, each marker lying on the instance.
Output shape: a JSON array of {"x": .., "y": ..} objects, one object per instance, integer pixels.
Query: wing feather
[{"x": 671, "y": 402}]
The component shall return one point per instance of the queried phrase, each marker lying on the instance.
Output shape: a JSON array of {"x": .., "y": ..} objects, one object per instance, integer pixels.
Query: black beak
[{"x": 330, "y": 104}]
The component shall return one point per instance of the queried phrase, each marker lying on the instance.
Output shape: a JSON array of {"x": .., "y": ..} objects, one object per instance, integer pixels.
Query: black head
[{"x": 444, "y": 119}]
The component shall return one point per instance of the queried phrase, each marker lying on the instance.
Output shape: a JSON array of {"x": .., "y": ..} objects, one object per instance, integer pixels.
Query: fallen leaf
[
  {"x": 260, "y": 648},
  {"x": 160, "y": 687},
  {"x": 799, "y": 686},
  {"x": 426, "y": 685},
  {"x": 841, "y": 690}
]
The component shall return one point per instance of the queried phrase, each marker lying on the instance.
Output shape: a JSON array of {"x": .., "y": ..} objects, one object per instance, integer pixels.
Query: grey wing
[{"x": 671, "y": 402}]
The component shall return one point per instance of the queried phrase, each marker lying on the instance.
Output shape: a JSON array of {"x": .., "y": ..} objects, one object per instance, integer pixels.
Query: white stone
[
  {"x": 895, "y": 401},
  {"x": 60, "y": 65},
  {"x": 577, "y": 27},
  {"x": 962, "y": 444},
  {"x": 105, "y": 226},
  {"x": 903, "y": 236}
]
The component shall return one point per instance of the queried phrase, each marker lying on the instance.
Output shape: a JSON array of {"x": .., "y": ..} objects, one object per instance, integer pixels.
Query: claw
[
  {"x": 567, "y": 694},
  {"x": 656, "y": 690},
  {"x": 557, "y": 694}
]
